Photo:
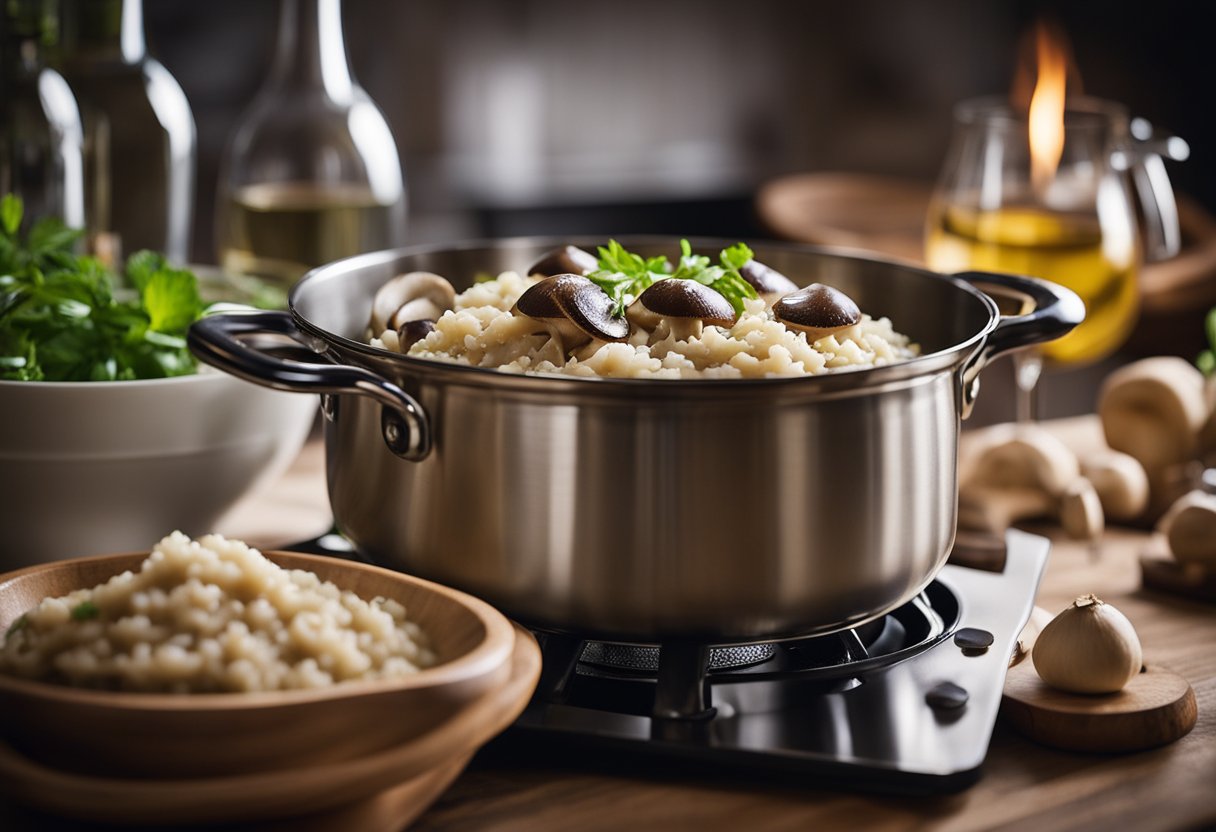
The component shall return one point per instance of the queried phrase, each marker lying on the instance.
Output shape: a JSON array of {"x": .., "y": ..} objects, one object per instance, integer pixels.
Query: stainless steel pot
[{"x": 643, "y": 510}]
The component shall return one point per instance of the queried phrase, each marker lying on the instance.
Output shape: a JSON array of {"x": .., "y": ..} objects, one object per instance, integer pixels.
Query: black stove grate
[{"x": 854, "y": 710}]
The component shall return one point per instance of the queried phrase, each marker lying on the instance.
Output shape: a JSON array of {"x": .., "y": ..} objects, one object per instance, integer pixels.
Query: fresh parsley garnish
[
  {"x": 60, "y": 319},
  {"x": 1207, "y": 359},
  {"x": 84, "y": 611},
  {"x": 723, "y": 278},
  {"x": 624, "y": 275}
]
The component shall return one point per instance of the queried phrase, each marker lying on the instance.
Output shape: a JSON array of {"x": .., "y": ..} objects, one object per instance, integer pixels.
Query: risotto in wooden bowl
[{"x": 206, "y": 658}]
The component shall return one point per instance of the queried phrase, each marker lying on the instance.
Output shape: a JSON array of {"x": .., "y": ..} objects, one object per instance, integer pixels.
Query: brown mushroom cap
[
  {"x": 817, "y": 310},
  {"x": 769, "y": 283},
  {"x": 565, "y": 260},
  {"x": 677, "y": 298},
  {"x": 574, "y": 310},
  {"x": 411, "y": 332}
]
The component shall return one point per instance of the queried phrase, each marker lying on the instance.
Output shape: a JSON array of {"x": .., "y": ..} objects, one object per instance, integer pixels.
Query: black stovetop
[{"x": 896, "y": 705}]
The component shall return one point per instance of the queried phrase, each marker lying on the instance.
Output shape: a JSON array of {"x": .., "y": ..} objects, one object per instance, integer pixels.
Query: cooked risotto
[
  {"x": 213, "y": 615},
  {"x": 481, "y": 330}
]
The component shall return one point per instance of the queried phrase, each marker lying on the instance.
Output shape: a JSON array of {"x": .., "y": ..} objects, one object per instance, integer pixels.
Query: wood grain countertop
[{"x": 1024, "y": 786}]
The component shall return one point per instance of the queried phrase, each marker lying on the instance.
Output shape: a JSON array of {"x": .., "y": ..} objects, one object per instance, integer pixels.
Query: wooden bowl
[
  {"x": 384, "y": 790},
  {"x": 122, "y": 734}
]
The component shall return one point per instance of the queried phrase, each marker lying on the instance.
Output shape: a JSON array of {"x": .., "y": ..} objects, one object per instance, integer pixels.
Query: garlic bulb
[{"x": 1090, "y": 647}]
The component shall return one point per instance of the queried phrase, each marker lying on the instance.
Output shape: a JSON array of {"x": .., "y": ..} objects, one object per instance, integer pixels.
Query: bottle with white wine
[
  {"x": 41, "y": 137},
  {"x": 312, "y": 172},
  {"x": 139, "y": 137}
]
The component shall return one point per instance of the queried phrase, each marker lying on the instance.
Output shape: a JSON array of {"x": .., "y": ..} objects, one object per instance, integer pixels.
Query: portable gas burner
[{"x": 905, "y": 703}]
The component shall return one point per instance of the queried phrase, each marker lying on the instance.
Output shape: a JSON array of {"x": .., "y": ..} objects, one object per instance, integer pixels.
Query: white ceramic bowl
[{"x": 113, "y": 466}]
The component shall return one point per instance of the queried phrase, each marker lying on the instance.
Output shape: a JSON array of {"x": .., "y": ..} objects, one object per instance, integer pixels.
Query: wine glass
[{"x": 1051, "y": 199}]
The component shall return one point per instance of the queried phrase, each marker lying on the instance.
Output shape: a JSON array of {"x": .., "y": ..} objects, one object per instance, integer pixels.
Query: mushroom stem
[
  {"x": 565, "y": 335},
  {"x": 684, "y": 329}
]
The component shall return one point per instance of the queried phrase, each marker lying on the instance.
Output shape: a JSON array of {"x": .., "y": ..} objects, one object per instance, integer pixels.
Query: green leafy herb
[
  {"x": 1207, "y": 359},
  {"x": 60, "y": 319},
  {"x": 624, "y": 275},
  {"x": 17, "y": 626},
  {"x": 84, "y": 611}
]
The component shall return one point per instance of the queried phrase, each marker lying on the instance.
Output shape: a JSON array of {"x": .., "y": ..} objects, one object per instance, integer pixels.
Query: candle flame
[{"x": 1047, "y": 107}]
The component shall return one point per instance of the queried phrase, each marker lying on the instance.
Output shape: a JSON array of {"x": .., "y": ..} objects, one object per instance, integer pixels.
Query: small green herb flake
[
  {"x": 84, "y": 611},
  {"x": 17, "y": 626}
]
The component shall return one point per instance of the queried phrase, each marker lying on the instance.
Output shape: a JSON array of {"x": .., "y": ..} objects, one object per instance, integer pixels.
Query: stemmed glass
[{"x": 1052, "y": 198}]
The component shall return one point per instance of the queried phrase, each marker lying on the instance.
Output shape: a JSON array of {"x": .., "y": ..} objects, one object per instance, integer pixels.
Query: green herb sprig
[
  {"x": 1207, "y": 359},
  {"x": 724, "y": 278},
  {"x": 60, "y": 319},
  {"x": 624, "y": 275}
]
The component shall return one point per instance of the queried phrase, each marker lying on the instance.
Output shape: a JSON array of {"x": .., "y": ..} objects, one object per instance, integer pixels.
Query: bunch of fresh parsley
[
  {"x": 624, "y": 275},
  {"x": 60, "y": 319}
]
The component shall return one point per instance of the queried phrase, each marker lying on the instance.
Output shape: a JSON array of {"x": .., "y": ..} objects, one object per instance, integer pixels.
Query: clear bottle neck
[
  {"x": 103, "y": 30},
  {"x": 311, "y": 50}
]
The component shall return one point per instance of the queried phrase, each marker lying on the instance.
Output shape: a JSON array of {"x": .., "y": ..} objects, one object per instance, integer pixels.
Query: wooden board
[
  {"x": 390, "y": 811},
  {"x": 1156, "y": 708},
  {"x": 1162, "y": 573},
  {"x": 65, "y": 802}
]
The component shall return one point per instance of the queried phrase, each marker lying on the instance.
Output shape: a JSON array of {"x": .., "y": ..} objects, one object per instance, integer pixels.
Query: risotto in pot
[
  {"x": 621, "y": 316},
  {"x": 213, "y": 615}
]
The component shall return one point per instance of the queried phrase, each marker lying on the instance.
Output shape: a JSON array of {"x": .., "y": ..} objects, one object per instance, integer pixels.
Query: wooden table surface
[{"x": 1024, "y": 786}]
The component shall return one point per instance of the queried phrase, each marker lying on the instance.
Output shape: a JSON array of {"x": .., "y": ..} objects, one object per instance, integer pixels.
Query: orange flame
[{"x": 1047, "y": 108}]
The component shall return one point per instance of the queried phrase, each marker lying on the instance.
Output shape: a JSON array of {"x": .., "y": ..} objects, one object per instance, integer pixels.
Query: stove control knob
[
  {"x": 973, "y": 640},
  {"x": 946, "y": 697}
]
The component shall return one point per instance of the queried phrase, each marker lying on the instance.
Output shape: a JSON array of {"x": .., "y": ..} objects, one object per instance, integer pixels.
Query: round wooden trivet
[
  {"x": 1190, "y": 580},
  {"x": 1156, "y": 708}
]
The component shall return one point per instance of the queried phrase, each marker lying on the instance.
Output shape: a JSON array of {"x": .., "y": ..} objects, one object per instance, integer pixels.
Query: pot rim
[{"x": 863, "y": 378}]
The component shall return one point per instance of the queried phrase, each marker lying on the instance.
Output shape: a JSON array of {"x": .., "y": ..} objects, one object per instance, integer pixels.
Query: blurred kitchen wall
[{"x": 540, "y": 116}]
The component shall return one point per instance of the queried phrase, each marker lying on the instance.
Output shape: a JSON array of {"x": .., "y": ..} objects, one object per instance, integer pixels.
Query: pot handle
[
  {"x": 223, "y": 341},
  {"x": 1041, "y": 311}
]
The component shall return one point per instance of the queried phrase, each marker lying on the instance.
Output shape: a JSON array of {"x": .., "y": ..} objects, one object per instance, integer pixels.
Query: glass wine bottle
[
  {"x": 140, "y": 143},
  {"x": 312, "y": 172},
  {"x": 41, "y": 141}
]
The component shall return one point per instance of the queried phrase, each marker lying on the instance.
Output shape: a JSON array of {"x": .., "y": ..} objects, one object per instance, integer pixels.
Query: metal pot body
[
  {"x": 719, "y": 511},
  {"x": 705, "y": 516}
]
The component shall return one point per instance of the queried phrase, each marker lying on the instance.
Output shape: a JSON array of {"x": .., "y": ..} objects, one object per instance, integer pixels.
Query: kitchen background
[
  {"x": 616, "y": 116},
  {"x": 537, "y": 116}
]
